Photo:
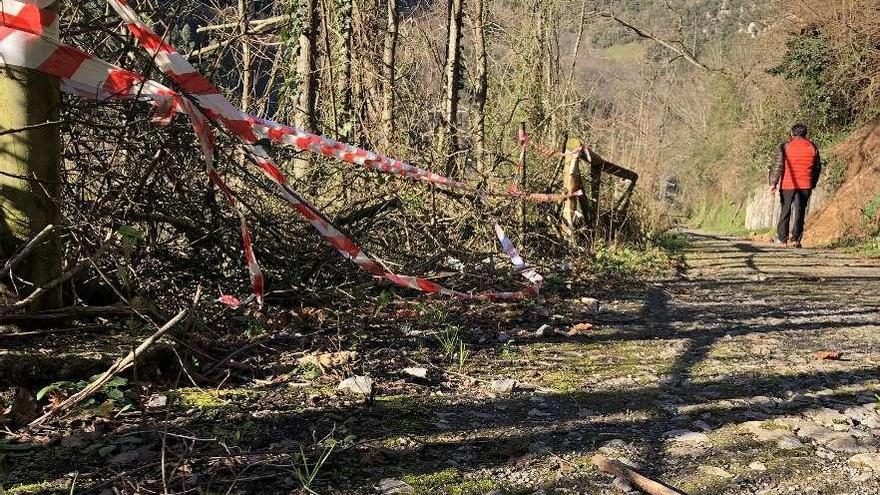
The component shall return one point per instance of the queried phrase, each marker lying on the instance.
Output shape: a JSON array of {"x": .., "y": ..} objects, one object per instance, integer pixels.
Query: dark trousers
[{"x": 794, "y": 201}]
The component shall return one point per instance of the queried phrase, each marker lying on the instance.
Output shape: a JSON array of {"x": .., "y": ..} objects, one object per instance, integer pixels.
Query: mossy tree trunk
[{"x": 30, "y": 169}]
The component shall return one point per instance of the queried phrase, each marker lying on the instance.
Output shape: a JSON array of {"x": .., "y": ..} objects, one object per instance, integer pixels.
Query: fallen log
[{"x": 633, "y": 477}]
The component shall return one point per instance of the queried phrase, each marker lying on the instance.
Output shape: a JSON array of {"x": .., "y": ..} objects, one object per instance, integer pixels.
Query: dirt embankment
[{"x": 843, "y": 214}]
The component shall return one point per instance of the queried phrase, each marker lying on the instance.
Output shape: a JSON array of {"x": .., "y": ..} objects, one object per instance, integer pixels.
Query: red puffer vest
[{"x": 800, "y": 158}]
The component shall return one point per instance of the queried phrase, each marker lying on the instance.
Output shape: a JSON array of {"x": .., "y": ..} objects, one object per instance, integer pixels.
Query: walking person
[{"x": 795, "y": 173}]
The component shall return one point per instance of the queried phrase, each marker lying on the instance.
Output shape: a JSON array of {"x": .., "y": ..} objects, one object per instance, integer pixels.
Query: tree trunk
[
  {"x": 389, "y": 74},
  {"x": 31, "y": 167},
  {"x": 328, "y": 60},
  {"x": 453, "y": 83},
  {"x": 344, "y": 23},
  {"x": 307, "y": 73},
  {"x": 481, "y": 89},
  {"x": 536, "y": 67},
  {"x": 246, "y": 58}
]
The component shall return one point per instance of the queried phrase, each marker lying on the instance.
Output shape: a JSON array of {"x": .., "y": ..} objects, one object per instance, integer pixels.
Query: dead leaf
[
  {"x": 581, "y": 329},
  {"x": 329, "y": 360},
  {"x": 828, "y": 355}
]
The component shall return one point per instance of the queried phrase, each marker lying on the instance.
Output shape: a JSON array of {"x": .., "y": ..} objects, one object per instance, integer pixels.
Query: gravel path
[{"x": 708, "y": 381}]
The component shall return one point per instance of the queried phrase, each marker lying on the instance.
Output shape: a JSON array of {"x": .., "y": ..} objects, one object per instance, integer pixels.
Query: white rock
[
  {"x": 591, "y": 305},
  {"x": 157, "y": 401},
  {"x": 394, "y": 487},
  {"x": 359, "y": 385},
  {"x": 503, "y": 385},
  {"x": 757, "y": 466},
  {"x": 543, "y": 330},
  {"x": 686, "y": 436},
  {"x": 417, "y": 372},
  {"x": 789, "y": 442}
]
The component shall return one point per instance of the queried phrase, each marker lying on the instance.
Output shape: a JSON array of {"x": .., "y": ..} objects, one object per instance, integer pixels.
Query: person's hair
[{"x": 799, "y": 130}]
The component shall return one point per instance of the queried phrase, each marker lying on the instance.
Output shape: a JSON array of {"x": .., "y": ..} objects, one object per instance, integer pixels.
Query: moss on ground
[
  {"x": 42, "y": 487},
  {"x": 193, "y": 398},
  {"x": 449, "y": 482}
]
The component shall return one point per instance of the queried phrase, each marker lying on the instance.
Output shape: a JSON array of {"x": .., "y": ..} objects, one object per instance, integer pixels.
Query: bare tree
[
  {"x": 479, "y": 18},
  {"x": 343, "y": 13},
  {"x": 453, "y": 82},
  {"x": 389, "y": 73},
  {"x": 246, "y": 59},
  {"x": 307, "y": 73}
]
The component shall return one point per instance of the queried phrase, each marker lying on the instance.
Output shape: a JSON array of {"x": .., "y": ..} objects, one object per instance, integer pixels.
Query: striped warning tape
[
  {"x": 23, "y": 42},
  {"x": 89, "y": 77}
]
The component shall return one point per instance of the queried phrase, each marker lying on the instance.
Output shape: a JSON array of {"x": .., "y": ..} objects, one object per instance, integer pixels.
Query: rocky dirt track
[{"x": 707, "y": 380}]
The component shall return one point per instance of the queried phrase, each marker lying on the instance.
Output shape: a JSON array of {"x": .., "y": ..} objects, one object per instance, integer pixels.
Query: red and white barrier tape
[
  {"x": 89, "y": 77},
  {"x": 21, "y": 44}
]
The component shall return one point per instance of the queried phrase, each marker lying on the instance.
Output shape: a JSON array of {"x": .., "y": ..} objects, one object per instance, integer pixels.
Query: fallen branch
[
  {"x": 119, "y": 366},
  {"x": 14, "y": 261},
  {"x": 36, "y": 294},
  {"x": 628, "y": 474}
]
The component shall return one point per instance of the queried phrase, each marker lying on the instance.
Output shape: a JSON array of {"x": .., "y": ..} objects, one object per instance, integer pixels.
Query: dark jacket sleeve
[
  {"x": 778, "y": 168},
  {"x": 817, "y": 167}
]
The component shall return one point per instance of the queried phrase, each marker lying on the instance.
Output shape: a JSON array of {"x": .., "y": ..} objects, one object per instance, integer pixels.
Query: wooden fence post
[
  {"x": 572, "y": 213},
  {"x": 593, "y": 203}
]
